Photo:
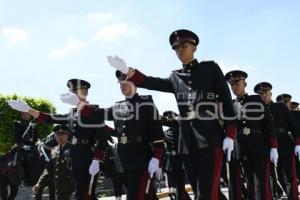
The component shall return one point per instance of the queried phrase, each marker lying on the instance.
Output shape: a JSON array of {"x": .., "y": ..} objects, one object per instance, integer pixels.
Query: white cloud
[
  {"x": 73, "y": 45},
  {"x": 113, "y": 32},
  {"x": 14, "y": 36},
  {"x": 100, "y": 16}
]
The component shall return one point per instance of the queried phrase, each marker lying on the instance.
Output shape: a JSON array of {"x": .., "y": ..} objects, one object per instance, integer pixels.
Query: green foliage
[{"x": 8, "y": 116}]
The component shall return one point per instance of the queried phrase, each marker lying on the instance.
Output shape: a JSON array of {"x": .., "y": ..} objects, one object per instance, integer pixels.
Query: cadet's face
[
  {"x": 185, "y": 52},
  {"x": 266, "y": 96},
  {"x": 127, "y": 88},
  {"x": 238, "y": 87},
  {"x": 81, "y": 93},
  {"x": 61, "y": 138}
]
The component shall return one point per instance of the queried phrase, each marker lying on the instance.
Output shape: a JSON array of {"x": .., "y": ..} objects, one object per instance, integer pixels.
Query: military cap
[
  {"x": 59, "y": 129},
  {"x": 233, "y": 75},
  {"x": 75, "y": 84},
  {"x": 283, "y": 97},
  {"x": 183, "y": 35},
  {"x": 120, "y": 76},
  {"x": 294, "y": 104},
  {"x": 170, "y": 114},
  {"x": 261, "y": 87}
]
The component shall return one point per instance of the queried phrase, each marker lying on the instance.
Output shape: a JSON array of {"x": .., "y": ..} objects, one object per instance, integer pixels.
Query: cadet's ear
[
  {"x": 195, "y": 48},
  {"x": 245, "y": 84}
]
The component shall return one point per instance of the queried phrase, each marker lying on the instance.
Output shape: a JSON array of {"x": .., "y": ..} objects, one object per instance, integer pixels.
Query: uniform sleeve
[
  {"x": 269, "y": 126},
  {"x": 155, "y": 130},
  {"x": 43, "y": 180},
  {"x": 17, "y": 133},
  {"x": 295, "y": 116},
  {"x": 103, "y": 135},
  {"x": 225, "y": 102},
  {"x": 52, "y": 119},
  {"x": 99, "y": 114},
  {"x": 151, "y": 83}
]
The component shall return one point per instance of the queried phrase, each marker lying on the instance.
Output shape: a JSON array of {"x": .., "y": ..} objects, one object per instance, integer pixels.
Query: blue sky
[{"x": 45, "y": 43}]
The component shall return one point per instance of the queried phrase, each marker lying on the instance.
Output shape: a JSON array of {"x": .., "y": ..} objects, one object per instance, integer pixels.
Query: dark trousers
[
  {"x": 136, "y": 182},
  {"x": 255, "y": 162},
  {"x": 82, "y": 182},
  {"x": 287, "y": 167},
  {"x": 203, "y": 167},
  {"x": 176, "y": 177}
]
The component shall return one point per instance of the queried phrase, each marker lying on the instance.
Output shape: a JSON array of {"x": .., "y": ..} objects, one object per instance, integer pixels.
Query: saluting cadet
[
  {"x": 196, "y": 87},
  {"x": 140, "y": 139},
  {"x": 88, "y": 136},
  {"x": 285, "y": 130},
  {"x": 256, "y": 140}
]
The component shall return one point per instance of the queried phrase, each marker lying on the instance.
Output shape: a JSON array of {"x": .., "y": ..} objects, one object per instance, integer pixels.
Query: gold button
[
  {"x": 190, "y": 82},
  {"x": 188, "y": 71}
]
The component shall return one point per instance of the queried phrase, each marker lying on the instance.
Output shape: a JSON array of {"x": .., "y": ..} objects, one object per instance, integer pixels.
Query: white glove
[
  {"x": 159, "y": 174},
  {"x": 69, "y": 98},
  {"x": 19, "y": 105},
  {"x": 94, "y": 168},
  {"x": 274, "y": 156},
  {"x": 153, "y": 166},
  {"x": 297, "y": 151},
  {"x": 228, "y": 147},
  {"x": 118, "y": 63}
]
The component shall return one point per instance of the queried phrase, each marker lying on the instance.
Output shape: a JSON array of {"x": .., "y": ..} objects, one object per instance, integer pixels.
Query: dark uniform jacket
[
  {"x": 60, "y": 170},
  {"x": 296, "y": 120},
  {"x": 20, "y": 127},
  {"x": 139, "y": 130},
  {"x": 255, "y": 126},
  {"x": 197, "y": 87},
  {"x": 284, "y": 127},
  {"x": 87, "y": 133}
]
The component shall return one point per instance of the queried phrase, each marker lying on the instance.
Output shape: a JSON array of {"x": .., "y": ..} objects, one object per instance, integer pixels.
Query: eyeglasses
[{"x": 235, "y": 81}]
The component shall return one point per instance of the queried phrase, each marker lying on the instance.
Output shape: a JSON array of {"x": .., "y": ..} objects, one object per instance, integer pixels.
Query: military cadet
[
  {"x": 60, "y": 169},
  {"x": 255, "y": 138},
  {"x": 86, "y": 133},
  {"x": 140, "y": 139},
  {"x": 173, "y": 160},
  {"x": 196, "y": 87},
  {"x": 25, "y": 136},
  {"x": 284, "y": 126},
  {"x": 286, "y": 99}
]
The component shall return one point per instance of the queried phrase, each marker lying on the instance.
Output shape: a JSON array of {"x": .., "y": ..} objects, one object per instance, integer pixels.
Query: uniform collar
[
  {"x": 132, "y": 98},
  {"x": 242, "y": 98},
  {"x": 190, "y": 64}
]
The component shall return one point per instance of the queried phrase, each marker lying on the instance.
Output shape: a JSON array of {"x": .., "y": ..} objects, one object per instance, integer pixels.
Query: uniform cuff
[
  {"x": 137, "y": 78},
  {"x": 231, "y": 131},
  {"x": 158, "y": 151},
  {"x": 42, "y": 118},
  {"x": 86, "y": 111},
  {"x": 273, "y": 143},
  {"x": 99, "y": 155}
]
